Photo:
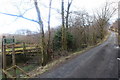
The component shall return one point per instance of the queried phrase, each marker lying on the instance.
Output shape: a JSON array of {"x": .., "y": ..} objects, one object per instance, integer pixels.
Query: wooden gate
[{"x": 5, "y": 70}]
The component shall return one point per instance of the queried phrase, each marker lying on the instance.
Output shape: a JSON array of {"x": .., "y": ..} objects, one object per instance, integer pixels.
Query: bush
[{"x": 57, "y": 40}]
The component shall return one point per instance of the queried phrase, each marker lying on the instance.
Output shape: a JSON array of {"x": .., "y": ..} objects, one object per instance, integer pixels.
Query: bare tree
[
  {"x": 65, "y": 27},
  {"x": 119, "y": 23},
  {"x": 43, "y": 45},
  {"x": 64, "y": 44},
  {"x": 49, "y": 30},
  {"x": 68, "y": 12},
  {"x": 104, "y": 16}
]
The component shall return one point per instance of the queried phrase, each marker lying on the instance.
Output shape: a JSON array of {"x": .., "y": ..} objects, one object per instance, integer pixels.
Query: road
[{"x": 98, "y": 62}]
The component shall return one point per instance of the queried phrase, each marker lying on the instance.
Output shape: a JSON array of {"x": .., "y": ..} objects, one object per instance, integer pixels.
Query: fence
[{"x": 12, "y": 51}]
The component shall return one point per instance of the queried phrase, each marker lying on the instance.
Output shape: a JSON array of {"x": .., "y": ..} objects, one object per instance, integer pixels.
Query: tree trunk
[
  {"x": 64, "y": 45},
  {"x": 49, "y": 35},
  {"x": 68, "y": 12},
  {"x": 43, "y": 45},
  {"x": 67, "y": 18}
]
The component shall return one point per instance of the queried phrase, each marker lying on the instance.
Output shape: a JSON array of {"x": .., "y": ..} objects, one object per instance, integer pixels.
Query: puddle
[
  {"x": 116, "y": 47},
  {"x": 118, "y": 59}
]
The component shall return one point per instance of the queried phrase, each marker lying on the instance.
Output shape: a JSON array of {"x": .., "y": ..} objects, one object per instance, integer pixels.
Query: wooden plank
[
  {"x": 23, "y": 71},
  {"x": 13, "y": 59},
  {"x": 11, "y": 68},
  {"x": 24, "y": 48},
  {"x": 8, "y": 74},
  {"x": 21, "y": 51},
  {"x": 4, "y": 56}
]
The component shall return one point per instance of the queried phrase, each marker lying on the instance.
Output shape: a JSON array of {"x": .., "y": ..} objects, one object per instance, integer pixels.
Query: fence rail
[
  {"x": 9, "y": 51},
  {"x": 22, "y": 51}
]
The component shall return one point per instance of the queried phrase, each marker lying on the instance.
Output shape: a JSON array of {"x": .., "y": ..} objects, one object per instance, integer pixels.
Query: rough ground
[{"x": 99, "y": 62}]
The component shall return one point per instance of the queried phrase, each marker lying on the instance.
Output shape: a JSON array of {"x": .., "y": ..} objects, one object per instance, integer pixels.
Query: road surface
[{"x": 99, "y": 62}]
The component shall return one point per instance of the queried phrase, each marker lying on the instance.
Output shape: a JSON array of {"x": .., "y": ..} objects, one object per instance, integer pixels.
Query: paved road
[{"x": 99, "y": 62}]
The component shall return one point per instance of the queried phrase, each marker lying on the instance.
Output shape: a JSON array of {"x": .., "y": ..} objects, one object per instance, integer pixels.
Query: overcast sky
[{"x": 10, "y": 24}]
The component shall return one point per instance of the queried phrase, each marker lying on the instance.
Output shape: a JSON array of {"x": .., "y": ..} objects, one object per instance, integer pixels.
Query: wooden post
[
  {"x": 24, "y": 48},
  {"x": 13, "y": 58},
  {"x": 3, "y": 57}
]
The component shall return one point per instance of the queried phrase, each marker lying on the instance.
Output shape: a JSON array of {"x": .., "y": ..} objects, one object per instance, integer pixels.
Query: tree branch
[{"x": 20, "y": 16}]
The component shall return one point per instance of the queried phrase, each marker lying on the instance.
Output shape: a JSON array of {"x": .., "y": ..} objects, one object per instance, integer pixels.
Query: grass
[{"x": 27, "y": 68}]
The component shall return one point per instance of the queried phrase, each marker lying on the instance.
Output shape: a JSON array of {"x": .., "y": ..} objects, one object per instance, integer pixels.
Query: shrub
[{"x": 57, "y": 40}]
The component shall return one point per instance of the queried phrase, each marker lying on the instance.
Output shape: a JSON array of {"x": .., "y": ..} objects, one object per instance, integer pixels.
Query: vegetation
[
  {"x": 119, "y": 32},
  {"x": 57, "y": 45},
  {"x": 78, "y": 30}
]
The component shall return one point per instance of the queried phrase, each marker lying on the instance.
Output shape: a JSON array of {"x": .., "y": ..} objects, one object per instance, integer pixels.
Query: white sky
[{"x": 10, "y": 24}]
